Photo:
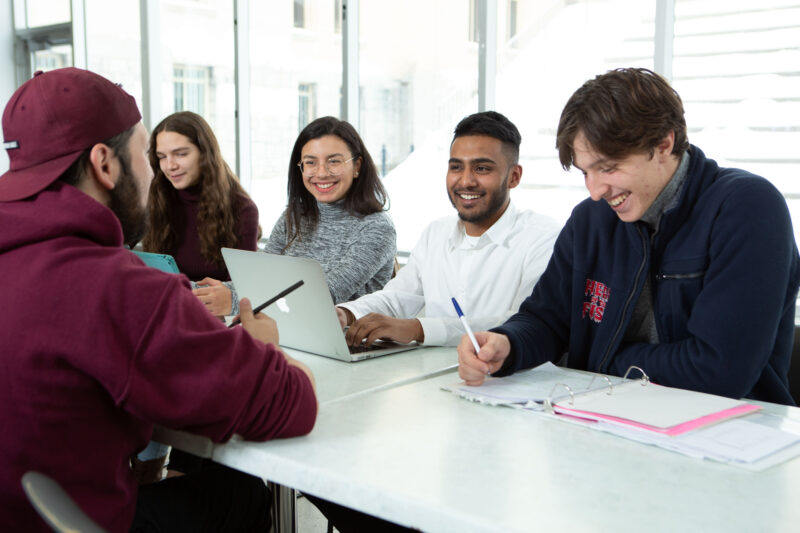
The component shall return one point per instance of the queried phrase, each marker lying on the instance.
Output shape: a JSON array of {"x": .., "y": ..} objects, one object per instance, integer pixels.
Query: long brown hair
[
  {"x": 220, "y": 192},
  {"x": 365, "y": 196}
]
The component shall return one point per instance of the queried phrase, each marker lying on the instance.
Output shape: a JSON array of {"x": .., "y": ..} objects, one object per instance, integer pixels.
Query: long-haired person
[
  {"x": 197, "y": 205},
  {"x": 335, "y": 211}
]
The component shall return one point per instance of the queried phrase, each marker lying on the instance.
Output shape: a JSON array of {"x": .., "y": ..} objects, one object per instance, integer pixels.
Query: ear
[
  {"x": 514, "y": 176},
  {"x": 664, "y": 148},
  {"x": 357, "y": 167},
  {"x": 104, "y": 166}
]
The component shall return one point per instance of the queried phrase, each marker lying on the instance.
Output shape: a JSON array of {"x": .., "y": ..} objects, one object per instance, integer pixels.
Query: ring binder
[
  {"x": 608, "y": 380},
  {"x": 548, "y": 405},
  {"x": 638, "y": 409},
  {"x": 650, "y": 407},
  {"x": 645, "y": 378}
]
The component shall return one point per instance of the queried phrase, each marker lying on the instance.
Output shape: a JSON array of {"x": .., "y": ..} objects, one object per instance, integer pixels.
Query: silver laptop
[{"x": 306, "y": 317}]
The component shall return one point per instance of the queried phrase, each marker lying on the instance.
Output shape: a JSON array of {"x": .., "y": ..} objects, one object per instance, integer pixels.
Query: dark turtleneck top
[{"x": 187, "y": 243}]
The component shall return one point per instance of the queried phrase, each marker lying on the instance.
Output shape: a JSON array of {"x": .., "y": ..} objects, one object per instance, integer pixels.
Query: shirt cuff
[
  {"x": 234, "y": 298},
  {"x": 349, "y": 307},
  {"x": 435, "y": 331}
]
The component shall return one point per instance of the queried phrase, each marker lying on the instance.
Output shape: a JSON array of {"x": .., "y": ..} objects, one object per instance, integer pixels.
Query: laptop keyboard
[
  {"x": 362, "y": 348},
  {"x": 377, "y": 345}
]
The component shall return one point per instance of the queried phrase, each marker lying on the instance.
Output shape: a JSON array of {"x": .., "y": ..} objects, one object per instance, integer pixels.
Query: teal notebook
[{"x": 160, "y": 261}]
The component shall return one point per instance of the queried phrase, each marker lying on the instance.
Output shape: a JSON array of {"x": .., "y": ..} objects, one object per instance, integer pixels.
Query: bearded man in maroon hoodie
[{"x": 95, "y": 347}]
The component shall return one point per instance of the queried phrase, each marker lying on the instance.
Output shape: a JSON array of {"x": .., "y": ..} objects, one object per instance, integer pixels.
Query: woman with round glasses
[{"x": 335, "y": 211}]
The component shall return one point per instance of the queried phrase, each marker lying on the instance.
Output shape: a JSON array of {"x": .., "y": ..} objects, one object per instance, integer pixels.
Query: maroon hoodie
[{"x": 95, "y": 347}]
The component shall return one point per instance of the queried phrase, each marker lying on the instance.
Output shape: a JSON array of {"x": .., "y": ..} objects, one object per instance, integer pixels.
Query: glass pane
[
  {"x": 299, "y": 14},
  {"x": 42, "y": 13},
  {"x": 558, "y": 46},
  {"x": 113, "y": 43},
  {"x": 740, "y": 87},
  {"x": 52, "y": 58},
  {"x": 295, "y": 77},
  {"x": 413, "y": 93},
  {"x": 197, "y": 65},
  {"x": 512, "y": 19}
]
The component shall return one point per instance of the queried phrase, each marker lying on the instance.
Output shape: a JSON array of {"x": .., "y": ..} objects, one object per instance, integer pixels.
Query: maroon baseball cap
[{"x": 51, "y": 119}]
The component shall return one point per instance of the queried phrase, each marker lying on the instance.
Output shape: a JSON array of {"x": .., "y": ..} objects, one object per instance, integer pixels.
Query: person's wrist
[{"x": 420, "y": 333}]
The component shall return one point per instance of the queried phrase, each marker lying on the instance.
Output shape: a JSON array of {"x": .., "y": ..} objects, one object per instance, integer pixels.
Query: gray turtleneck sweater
[{"x": 356, "y": 253}]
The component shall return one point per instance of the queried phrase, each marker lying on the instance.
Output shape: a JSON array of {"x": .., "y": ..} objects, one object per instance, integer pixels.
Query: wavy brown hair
[
  {"x": 622, "y": 112},
  {"x": 365, "y": 196},
  {"x": 220, "y": 192}
]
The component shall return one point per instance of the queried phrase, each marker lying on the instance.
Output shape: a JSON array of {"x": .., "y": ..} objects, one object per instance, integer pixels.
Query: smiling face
[
  {"x": 178, "y": 158},
  {"x": 479, "y": 177},
  {"x": 323, "y": 153},
  {"x": 629, "y": 185}
]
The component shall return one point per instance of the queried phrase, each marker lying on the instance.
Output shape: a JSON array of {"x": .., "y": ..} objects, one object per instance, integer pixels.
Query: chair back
[{"x": 55, "y": 506}]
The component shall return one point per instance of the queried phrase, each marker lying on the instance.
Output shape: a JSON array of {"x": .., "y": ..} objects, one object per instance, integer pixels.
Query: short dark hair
[
  {"x": 622, "y": 112},
  {"x": 365, "y": 196},
  {"x": 495, "y": 125},
  {"x": 118, "y": 144}
]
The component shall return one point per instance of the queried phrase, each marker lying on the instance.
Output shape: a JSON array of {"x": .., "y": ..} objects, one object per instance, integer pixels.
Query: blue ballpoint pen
[{"x": 466, "y": 326}]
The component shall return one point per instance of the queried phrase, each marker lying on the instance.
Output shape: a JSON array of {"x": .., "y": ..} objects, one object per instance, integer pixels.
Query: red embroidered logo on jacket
[{"x": 596, "y": 306}]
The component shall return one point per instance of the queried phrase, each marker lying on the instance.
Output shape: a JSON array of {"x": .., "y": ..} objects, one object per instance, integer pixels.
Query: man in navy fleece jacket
[{"x": 675, "y": 264}]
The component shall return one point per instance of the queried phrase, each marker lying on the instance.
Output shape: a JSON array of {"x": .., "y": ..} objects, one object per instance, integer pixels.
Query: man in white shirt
[{"x": 488, "y": 259}]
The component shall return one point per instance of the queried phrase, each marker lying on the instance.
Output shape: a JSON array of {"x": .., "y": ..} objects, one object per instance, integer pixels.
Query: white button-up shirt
[{"x": 489, "y": 275}]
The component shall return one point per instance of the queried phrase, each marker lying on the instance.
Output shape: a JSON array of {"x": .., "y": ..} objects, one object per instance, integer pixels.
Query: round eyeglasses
[{"x": 334, "y": 166}]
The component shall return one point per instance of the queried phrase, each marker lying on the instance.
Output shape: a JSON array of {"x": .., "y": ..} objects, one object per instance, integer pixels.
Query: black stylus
[{"x": 270, "y": 301}]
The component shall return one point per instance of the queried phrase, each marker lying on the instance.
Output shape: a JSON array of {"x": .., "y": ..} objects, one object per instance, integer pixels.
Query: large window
[
  {"x": 413, "y": 93},
  {"x": 557, "y": 47},
  {"x": 295, "y": 77},
  {"x": 113, "y": 43},
  {"x": 52, "y": 58},
  {"x": 191, "y": 86},
  {"x": 740, "y": 86},
  {"x": 474, "y": 22},
  {"x": 735, "y": 66},
  {"x": 306, "y": 105},
  {"x": 42, "y": 36},
  {"x": 196, "y": 64},
  {"x": 337, "y": 16},
  {"x": 299, "y": 13},
  {"x": 38, "y": 13},
  {"x": 511, "y": 18}
]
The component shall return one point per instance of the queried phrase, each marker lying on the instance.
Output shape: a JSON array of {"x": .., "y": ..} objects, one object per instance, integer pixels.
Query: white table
[
  {"x": 335, "y": 381},
  {"x": 427, "y": 459}
]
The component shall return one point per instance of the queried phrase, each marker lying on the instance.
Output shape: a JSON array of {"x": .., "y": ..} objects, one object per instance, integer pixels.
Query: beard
[
  {"x": 126, "y": 204},
  {"x": 496, "y": 198}
]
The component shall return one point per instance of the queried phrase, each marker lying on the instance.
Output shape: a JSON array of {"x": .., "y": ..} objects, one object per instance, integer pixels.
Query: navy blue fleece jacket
[{"x": 724, "y": 272}]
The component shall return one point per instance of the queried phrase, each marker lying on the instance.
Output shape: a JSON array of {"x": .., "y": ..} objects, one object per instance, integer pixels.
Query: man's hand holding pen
[{"x": 474, "y": 367}]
